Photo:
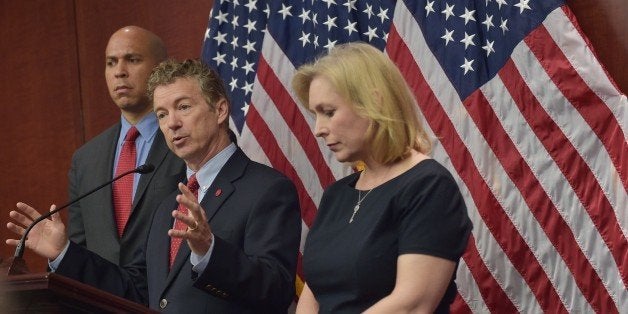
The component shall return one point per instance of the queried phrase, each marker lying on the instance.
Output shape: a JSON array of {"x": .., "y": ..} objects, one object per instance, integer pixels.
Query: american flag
[{"x": 522, "y": 113}]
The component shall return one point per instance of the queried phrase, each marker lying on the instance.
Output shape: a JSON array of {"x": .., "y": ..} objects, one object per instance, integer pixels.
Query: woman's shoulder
[{"x": 428, "y": 169}]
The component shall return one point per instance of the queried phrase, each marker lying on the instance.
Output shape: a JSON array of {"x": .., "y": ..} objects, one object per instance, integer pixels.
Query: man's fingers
[
  {"x": 12, "y": 242},
  {"x": 20, "y": 218},
  {"x": 28, "y": 210},
  {"x": 15, "y": 228},
  {"x": 54, "y": 217}
]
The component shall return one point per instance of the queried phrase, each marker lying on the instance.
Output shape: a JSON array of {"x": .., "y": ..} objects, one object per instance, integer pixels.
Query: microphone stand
[{"x": 16, "y": 265}]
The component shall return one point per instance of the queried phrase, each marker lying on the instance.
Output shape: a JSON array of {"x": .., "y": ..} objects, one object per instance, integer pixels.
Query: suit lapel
[{"x": 212, "y": 202}]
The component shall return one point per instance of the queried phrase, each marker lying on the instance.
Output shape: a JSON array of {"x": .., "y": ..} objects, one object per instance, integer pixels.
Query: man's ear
[{"x": 222, "y": 110}]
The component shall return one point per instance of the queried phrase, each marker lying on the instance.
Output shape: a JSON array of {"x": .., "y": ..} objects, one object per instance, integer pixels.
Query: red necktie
[
  {"x": 123, "y": 188},
  {"x": 179, "y": 225}
]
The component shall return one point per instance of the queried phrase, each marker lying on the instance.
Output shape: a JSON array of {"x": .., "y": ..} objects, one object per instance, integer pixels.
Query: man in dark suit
[
  {"x": 239, "y": 244},
  {"x": 95, "y": 222}
]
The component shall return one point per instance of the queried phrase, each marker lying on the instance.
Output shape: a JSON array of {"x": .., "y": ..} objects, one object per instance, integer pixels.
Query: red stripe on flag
[
  {"x": 459, "y": 306},
  {"x": 295, "y": 120},
  {"x": 260, "y": 130},
  {"x": 570, "y": 163},
  {"x": 539, "y": 203},
  {"x": 593, "y": 110},
  {"x": 489, "y": 208},
  {"x": 495, "y": 298}
]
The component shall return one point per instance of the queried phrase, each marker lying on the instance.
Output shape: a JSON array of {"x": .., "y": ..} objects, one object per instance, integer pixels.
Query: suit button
[{"x": 163, "y": 303}]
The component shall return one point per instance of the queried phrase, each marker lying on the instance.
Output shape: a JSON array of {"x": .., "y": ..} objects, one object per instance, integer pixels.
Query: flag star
[
  {"x": 305, "y": 38},
  {"x": 488, "y": 47},
  {"x": 384, "y": 36},
  {"x": 429, "y": 7},
  {"x": 488, "y": 22},
  {"x": 305, "y": 15},
  {"x": 351, "y": 27},
  {"x": 468, "y": 16},
  {"x": 245, "y": 109},
  {"x": 368, "y": 10},
  {"x": 315, "y": 19},
  {"x": 234, "y": 83},
  {"x": 371, "y": 33},
  {"x": 329, "y": 2},
  {"x": 449, "y": 36},
  {"x": 267, "y": 11},
  {"x": 219, "y": 58},
  {"x": 523, "y": 4},
  {"x": 234, "y": 43},
  {"x": 330, "y": 44},
  {"x": 503, "y": 26},
  {"x": 248, "y": 67},
  {"x": 250, "y": 26},
  {"x": 467, "y": 65},
  {"x": 285, "y": 11},
  {"x": 251, "y": 5},
  {"x": 236, "y": 3},
  {"x": 250, "y": 46},
  {"x": 315, "y": 42},
  {"x": 500, "y": 2},
  {"x": 221, "y": 17},
  {"x": 234, "y": 22},
  {"x": 350, "y": 4},
  {"x": 487, "y": 1},
  {"x": 248, "y": 88},
  {"x": 207, "y": 33},
  {"x": 449, "y": 11},
  {"x": 234, "y": 63},
  {"x": 468, "y": 40},
  {"x": 331, "y": 22},
  {"x": 383, "y": 14},
  {"x": 220, "y": 38}
]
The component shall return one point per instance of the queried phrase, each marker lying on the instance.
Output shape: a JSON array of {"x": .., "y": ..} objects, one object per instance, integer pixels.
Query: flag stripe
[
  {"x": 294, "y": 119},
  {"x": 499, "y": 223},
  {"x": 496, "y": 300},
  {"x": 538, "y": 201},
  {"x": 563, "y": 198},
  {"x": 590, "y": 106},
  {"x": 567, "y": 34},
  {"x": 279, "y": 161},
  {"x": 567, "y": 158}
]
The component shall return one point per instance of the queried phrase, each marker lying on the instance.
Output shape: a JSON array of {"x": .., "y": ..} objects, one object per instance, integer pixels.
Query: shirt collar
[
  {"x": 208, "y": 172},
  {"x": 147, "y": 127}
]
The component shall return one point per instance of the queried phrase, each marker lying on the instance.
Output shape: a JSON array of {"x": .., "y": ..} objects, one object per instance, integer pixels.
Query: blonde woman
[{"x": 386, "y": 239}]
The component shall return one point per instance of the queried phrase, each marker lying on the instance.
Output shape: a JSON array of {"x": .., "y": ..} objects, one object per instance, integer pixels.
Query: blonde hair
[{"x": 376, "y": 89}]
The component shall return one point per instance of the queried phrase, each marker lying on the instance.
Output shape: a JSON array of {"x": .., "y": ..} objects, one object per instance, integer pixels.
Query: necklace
[{"x": 357, "y": 205}]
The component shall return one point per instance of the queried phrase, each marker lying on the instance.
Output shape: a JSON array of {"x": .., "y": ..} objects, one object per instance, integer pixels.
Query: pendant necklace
[{"x": 357, "y": 205}]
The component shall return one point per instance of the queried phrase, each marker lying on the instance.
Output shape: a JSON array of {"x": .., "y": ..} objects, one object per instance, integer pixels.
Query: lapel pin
[{"x": 218, "y": 192}]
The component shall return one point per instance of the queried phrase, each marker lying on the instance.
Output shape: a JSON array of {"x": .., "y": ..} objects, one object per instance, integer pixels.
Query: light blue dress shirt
[{"x": 148, "y": 128}]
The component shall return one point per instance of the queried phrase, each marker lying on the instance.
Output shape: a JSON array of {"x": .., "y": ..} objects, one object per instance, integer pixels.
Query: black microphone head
[{"x": 145, "y": 168}]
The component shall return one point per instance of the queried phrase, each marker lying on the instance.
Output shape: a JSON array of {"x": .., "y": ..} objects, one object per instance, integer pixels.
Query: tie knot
[
  {"x": 132, "y": 134},
  {"x": 193, "y": 184}
]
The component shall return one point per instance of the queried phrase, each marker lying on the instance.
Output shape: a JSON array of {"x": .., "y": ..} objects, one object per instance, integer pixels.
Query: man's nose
[{"x": 121, "y": 70}]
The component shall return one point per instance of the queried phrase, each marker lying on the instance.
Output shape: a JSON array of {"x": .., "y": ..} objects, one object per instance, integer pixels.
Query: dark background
[{"x": 54, "y": 96}]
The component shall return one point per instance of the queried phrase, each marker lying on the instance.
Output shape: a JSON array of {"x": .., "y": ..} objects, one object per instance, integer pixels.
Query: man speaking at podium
[{"x": 227, "y": 244}]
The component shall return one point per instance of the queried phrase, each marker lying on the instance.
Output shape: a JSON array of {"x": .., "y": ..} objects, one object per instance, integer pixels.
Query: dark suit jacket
[
  {"x": 91, "y": 220},
  {"x": 254, "y": 214}
]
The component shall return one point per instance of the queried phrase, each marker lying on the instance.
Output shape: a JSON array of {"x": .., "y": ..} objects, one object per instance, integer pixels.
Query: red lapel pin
[{"x": 218, "y": 192}]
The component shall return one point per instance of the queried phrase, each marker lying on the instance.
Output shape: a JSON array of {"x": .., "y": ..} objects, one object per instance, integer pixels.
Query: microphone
[{"x": 19, "y": 250}]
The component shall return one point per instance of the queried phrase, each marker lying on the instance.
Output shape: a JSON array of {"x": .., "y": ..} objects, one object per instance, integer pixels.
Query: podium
[{"x": 53, "y": 293}]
